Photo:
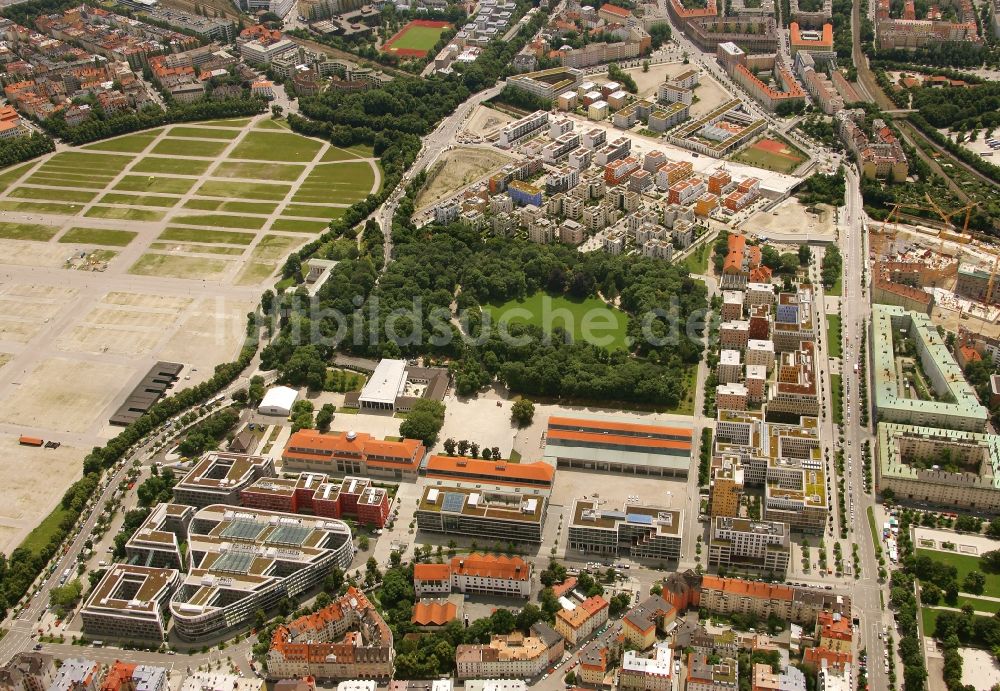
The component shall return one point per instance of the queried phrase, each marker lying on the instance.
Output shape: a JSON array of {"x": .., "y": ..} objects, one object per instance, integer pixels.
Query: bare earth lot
[
  {"x": 457, "y": 168},
  {"x": 73, "y": 342},
  {"x": 26, "y": 499},
  {"x": 486, "y": 120},
  {"x": 790, "y": 220}
]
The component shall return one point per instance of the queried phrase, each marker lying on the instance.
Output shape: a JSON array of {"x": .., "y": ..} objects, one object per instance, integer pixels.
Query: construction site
[{"x": 937, "y": 266}]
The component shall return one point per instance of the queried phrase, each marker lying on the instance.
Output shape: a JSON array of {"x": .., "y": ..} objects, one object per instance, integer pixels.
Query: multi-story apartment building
[
  {"x": 129, "y": 603},
  {"x": 956, "y": 405},
  {"x": 525, "y": 127},
  {"x": 704, "y": 675},
  {"x": 652, "y": 673},
  {"x": 28, "y": 671},
  {"x": 643, "y": 532},
  {"x": 744, "y": 545},
  {"x": 742, "y": 265},
  {"x": 576, "y": 624},
  {"x": 760, "y": 352},
  {"x": 352, "y": 453},
  {"x": 733, "y": 396},
  {"x": 490, "y": 574},
  {"x": 798, "y": 605},
  {"x": 726, "y": 488},
  {"x": 642, "y": 623},
  {"x": 514, "y": 656},
  {"x": 796, "y": 390},
  {"x": 793, "y": 320},
  {"x": 732, "y": 305},
  {"x": 347, "y": 639},
  {"x": 795, "y": 493},
  {"x": 759, "y": 294},
  {"x": 939, "y": 467},
  {"x": 880, "y": 156},
  {"x": 729, "y": 368},
  {"x": 734, "y": 334}
]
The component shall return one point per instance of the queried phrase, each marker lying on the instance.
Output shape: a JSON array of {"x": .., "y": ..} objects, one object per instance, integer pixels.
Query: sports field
[
  {"x": 416, "y": 39},
  {"x": 772, "y": 154},
  {"x": 149, "y": 246},
  {"x": 587, "y": 320}
]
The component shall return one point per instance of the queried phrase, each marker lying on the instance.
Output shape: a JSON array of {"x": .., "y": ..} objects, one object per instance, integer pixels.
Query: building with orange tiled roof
[
  {"x": 459, "y": 471},
  {"x": 348, "y": 639},
  {"x": 799, "y": 605},
  {"x": 619, "y": 445},
  {"x": 560, "y": 589},
  {"x": 613, "y": 13},
  {"x": 353, "y": 453},
  {"x": 118, "y": 677},
  {"x": 834, "y": 632},
  {"x": 578, "y": 623},
  {"x": 820, "y": 42},
  {"x": 434, "y": 613},
  {"x": 835, "y": 660},
  {"x": 490, "y": 574}
]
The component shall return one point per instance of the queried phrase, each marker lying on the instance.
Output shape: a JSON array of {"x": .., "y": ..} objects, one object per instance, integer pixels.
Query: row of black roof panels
[{"x": 147, "y": 392}]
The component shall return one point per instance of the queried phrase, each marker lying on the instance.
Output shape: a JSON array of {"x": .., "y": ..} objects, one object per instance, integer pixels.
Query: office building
[
  {"x": 352, "y": 453},
  {"x": 494, "y": 515},
  {"x": 315, "y": 494},
  {"x": 219, "y": 477},
  {"x": 395, "y": 385},
  {"x": 642, "y": 532},
  {"x": 129, "y": 603},
  {"x": 243, "y": 560}
]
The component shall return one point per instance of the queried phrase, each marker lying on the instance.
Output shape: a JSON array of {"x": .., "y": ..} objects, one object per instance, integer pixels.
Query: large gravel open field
[{"x": 150, "y": 246}]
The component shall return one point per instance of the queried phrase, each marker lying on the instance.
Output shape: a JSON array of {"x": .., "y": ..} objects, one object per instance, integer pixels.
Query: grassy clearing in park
[
  {"x": 79, "y": 196},
  {"x": 587, "y": 320},
  {"x": 220, "y": 221},
  {"x": 335, "y": 153},
  {"x": 81, "y": 161},
  {"x": 230, "y": 122},
  {"x": 833, "y": 334},
  {"x": 965, "y": 563},
  {"x": 90, "y": 184},
  {"x": 255, "y": 272},
  {"x": 138, "y": 199},
  {"x": 276, "y": 146},
  {"x": 234, "y": 207},
  {"x": 979, "y": 604},
  {"x": 202, "y": 132},
  {"x": 27, "y": 231},
  {"x": 39, "y": 538},
  {"x": 130, "y": 143},
  {"x": 296, "y": 225},
  {"x": 225, "y": 237},
  {"x": 98, "y": 236},
  {"x": 307, "y": 211},
  {"x": 42, "y": 208},
  {"x": 186, "y": 147},
  {"x": 154, "y": 183},
  {"x": 179, "y": 267},
  {"x": 289, "y": 172},
  {"x": 243, "y": 190},
  {"x": 10, "y": 176},
  {"x": 177, "y": 166},
  {"x": 195, "y": 248},
  {"x": 697, "y": 261},
  {"x": 272, "y": 125},
  {"x": 274, "y": 247},
  {"x": 124, "y": 213}
]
